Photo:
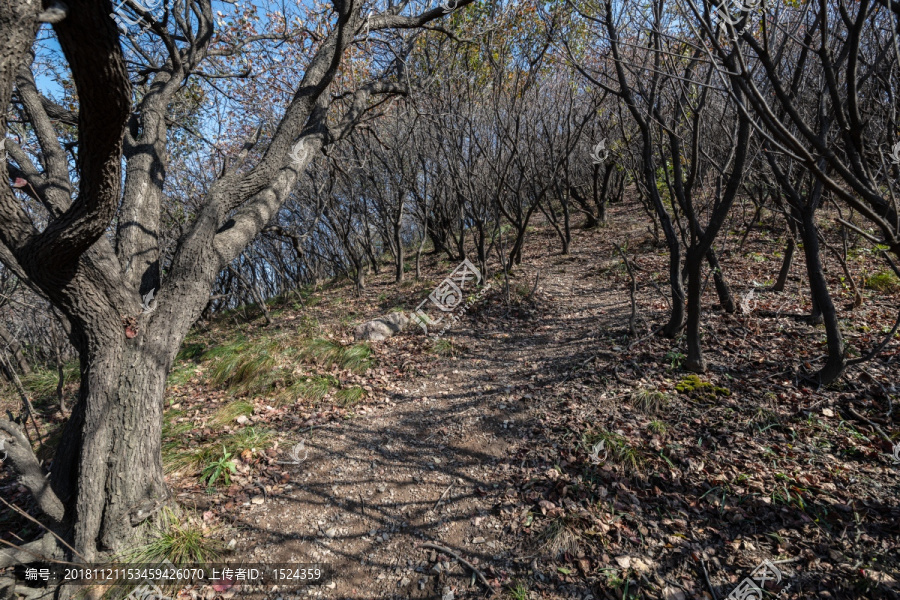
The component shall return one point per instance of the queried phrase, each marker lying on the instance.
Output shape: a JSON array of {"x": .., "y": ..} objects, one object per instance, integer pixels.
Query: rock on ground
[{"x": 381, "y": 328}]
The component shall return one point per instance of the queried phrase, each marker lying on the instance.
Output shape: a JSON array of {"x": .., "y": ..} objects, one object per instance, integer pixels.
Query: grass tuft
[
  {"x": 327, "y": 353},
  {"x": 350, "y": 396},
  {"x": 249, "y": 438},
  {"x": 559, "y": 537},
  {"x": 649, "y": 401},
  {"x": 444, "y": 347},
  {"x": 232, "y": 411},
  {"x": 179, "y": 539},
  {"x": 617, "y": 447},
  {"x": 883, "y": 281}
]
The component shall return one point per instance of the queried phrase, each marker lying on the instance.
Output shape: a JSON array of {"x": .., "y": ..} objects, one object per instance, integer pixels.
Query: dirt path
[
  {"x": 490, "y": 452},
  {"x": 433, "y": 461}
]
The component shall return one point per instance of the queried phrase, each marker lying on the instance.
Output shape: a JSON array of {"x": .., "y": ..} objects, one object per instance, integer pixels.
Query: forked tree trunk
[{"x": 108, "y": 467}]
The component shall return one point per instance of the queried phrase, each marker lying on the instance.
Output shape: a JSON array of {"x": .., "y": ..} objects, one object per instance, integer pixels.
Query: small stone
[
  {"x": 331, "y": 585},
  {"x": 232, "y": 544},
  {"x": 257, "y": 500},
  {"x": 331, "y": 532},
  {"x": 478, "y": 540},
  {"x": 381, "y": 487},
  {"x": 242, "y": 420},
  {"x": 436, "y": 569},
  {"x": 624, "y": 561},
  {"x": 404, "y": 582},
  {"x": 447, "y": 594}
]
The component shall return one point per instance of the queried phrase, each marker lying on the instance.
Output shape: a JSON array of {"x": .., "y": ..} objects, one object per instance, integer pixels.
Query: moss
[{"x": 696, "y": 388}]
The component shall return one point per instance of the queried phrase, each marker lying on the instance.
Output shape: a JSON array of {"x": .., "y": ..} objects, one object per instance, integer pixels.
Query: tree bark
[{"x": 818, "y": 285}]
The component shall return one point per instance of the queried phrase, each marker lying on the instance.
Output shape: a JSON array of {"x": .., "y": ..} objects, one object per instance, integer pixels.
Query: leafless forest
[{"x": 568, "y": 299}]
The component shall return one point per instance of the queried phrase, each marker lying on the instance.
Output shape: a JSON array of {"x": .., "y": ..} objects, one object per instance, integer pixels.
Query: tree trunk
[
  {"x": 694, "y": 361},
  {"x": 836, "y": 363},
  {"x": 15, "y": 350},
  {"x": 399, "y": 255},
  {"x": 785, "y": 266},
  {"x": 108, "y": 467},
  {"x": 723, "y": 290}
]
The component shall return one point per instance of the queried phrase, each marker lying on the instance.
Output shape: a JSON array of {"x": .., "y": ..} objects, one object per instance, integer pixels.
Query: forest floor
[{"x": 488, "y": 441}]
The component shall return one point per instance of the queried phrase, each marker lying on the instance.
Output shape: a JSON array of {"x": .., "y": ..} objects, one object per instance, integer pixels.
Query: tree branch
[{"x": 31, "y": 475}]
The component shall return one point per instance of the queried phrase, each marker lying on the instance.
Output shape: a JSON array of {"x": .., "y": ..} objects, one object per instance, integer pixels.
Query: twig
[
  {"x": 442, "y": 496},
  {"x": 450, "y": 552},
  {"x": 29, "y": 409},
  {"x": 44, "y": 527},
  {"x": 706, "y": 575},
  {"x": 877, "y": 349},
  {"x": 644, "y": 339}
]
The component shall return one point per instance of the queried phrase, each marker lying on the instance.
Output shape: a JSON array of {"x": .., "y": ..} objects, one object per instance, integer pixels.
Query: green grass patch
[
  {"x": 232, "y": 411},
  {"x": 649, "y": 401},
  {"x": 181, "y": 374},
  {"x": 884, "y": 281},
  {"x": 41, "y": 383},
  {"x": 313, "y": 388},
  {"x": 657, "y": 427},
  {"x": 350, "y": 396},
  {"x": 249, "y": 438},
  {"x": 444, "y": 347},
  {"x": 178, "y": 538},
  {"x": 617, "y": 448},
  {"x": 191, "y": 351},
  {"x": 245, "y": 366},
  {"x": 327, "y": 353}
]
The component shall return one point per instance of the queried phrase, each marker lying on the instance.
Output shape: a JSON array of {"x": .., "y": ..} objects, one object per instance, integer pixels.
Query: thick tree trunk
[{"x": 108, "y": 467}]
